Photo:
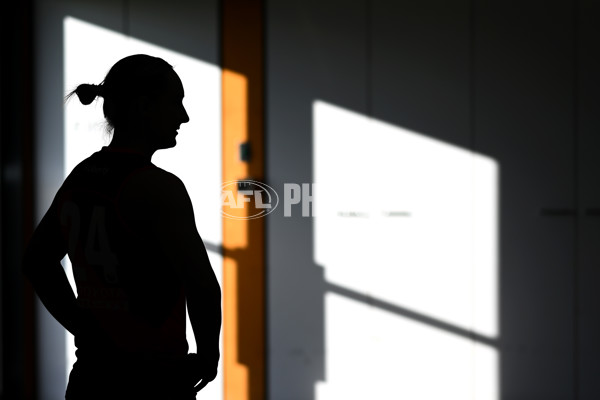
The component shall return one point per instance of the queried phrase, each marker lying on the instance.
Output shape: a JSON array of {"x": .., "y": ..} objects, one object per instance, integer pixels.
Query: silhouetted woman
[{"x": 129, "y": 230}]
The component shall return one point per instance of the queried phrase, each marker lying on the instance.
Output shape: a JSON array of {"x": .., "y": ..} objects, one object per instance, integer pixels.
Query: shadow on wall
[{"x": 467, "y": 87}]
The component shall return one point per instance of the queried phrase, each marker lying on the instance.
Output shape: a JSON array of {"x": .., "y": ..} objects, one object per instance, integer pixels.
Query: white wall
[{"x": 460, "y": 116}]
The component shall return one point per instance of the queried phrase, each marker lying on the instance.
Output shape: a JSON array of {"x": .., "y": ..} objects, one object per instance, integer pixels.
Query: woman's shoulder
[
  {"x": 157, "y": 178},
  {"x": 154, "y": 184}
]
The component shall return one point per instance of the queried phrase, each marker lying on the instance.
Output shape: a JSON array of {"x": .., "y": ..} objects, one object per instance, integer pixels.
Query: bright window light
[{"x": 406, "y": 231}]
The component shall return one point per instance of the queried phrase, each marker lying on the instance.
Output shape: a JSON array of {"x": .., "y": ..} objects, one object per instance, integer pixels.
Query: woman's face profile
[{"x": 166, "y": 114}]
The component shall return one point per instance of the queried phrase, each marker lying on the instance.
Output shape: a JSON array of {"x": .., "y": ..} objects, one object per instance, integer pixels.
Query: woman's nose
[{"x": 186, "y": 117}]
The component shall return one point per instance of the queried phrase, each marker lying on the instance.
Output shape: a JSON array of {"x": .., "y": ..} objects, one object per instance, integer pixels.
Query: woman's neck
[{"x": 132, "y": 142}]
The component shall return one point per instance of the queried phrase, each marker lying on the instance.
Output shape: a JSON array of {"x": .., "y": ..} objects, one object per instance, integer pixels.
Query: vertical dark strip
[
  {"x": 472, "y": 75},
  {"x": 27, "y": 85},
  {"x": 576, "y": 192},
  {"x": 16, "y": 201},
  {"x": 2, "y": 117},
  {"x": 126, "y": 18},
  {"x": 221, "y": 33},
  {"x": 3, "y": 89},
  {"x": 368, "y": 58}
]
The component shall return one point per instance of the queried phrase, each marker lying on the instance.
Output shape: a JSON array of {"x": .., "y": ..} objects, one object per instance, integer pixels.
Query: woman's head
[{"x": 139, "y": 91}]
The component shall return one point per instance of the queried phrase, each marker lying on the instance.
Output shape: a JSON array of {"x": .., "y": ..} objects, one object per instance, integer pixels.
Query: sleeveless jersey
[{"x": 132, "y": 298}]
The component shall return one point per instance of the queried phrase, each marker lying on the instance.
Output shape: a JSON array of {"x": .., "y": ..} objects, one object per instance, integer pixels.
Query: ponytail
[{"x": 86, "y": 93}]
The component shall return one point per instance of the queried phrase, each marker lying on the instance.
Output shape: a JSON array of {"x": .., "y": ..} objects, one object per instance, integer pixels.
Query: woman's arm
[
  {"x": 42, "y": 265},
  {"x": 162, "y": 198}
]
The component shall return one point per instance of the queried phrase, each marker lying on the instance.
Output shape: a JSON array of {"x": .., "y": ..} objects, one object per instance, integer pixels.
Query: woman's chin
[{"x": 167, "y": 144}]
